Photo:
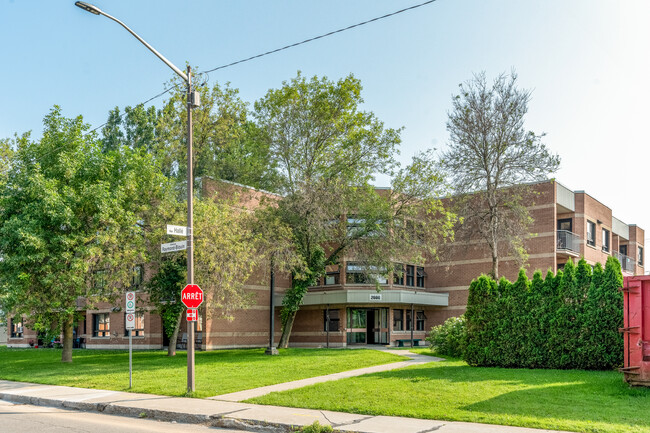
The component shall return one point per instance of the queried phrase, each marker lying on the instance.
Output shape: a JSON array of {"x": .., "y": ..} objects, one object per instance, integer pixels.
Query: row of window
[
  {"x": 358, "y": 273},
  {"x": 401, "y": 320},
  {"x": 606, "y": 245}
]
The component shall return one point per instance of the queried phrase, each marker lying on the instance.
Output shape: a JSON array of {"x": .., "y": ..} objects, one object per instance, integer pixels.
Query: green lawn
[
  {"x": 217, "y": 372},
  {"x": 451, "y": 390}
]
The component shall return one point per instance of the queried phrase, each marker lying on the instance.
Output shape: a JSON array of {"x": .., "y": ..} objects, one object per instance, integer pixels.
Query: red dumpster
[{"x": 636, "y": 330}]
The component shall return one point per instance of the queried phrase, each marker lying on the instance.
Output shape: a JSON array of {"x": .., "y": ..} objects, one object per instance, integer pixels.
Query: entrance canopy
[{"x": 371, "y": 296}]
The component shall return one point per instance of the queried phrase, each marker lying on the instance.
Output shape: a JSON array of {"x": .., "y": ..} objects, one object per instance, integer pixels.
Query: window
[
  {"x": 398, "y": 276},
  {"x": 410, "y": 275},
  {"x": 333, "y": 320},
  {"x": 358, "y": 273},
  {"x": 138, "y": 331},
  {"x": 606, "y": 240},
  {"x": 640, "y": 258},
  {"x": 565, "y": 224},
  {"x": 138, "y": 273},
  {"x": 16, "y": 327},
  {"x": 332, "y": 275},
  {"x": 408, "y": 320},
  {"x": 101, "y": 325},
  {"x": 591, "y": 233},
  {"x": 355, "y": 226},
  {"x": 420, "y": 276},
  {"x": 99, "y": 279},
  {"x": 398, "y": 320},
  {"x": 355, "y": 274},
  {"x": 419, "y": 320}
]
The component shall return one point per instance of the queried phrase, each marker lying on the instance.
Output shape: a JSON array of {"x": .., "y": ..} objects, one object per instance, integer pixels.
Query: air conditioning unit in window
[{"x": 20, "y": 329}]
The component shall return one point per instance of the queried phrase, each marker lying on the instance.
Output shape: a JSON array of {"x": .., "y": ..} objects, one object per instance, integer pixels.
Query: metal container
[{"x": 636, "y": 330}]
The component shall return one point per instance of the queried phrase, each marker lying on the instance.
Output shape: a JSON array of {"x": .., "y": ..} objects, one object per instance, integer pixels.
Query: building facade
[{"x": 347, "y": 308}]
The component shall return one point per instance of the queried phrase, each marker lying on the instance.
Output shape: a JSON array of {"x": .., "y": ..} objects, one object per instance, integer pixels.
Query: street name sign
[
  {"x": 192, "y": 296},
  {"x": 173, "y": 246},
  {"x": 192, "y": 315},
  {"x": 130, "y": 302},
  {"x": 177, "y": 230},
  {"x": 130, "y": 321}
]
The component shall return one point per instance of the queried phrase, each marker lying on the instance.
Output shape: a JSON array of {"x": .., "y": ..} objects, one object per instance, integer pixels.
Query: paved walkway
[
  {"x": 415, "y": 359},
  {"x": 248, "y": 417}
]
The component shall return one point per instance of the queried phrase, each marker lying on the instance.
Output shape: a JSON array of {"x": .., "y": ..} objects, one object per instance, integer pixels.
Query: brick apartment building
[{"x": 346, "y": 309}]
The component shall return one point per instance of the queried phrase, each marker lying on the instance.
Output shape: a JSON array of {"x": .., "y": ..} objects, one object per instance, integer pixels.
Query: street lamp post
[{"x": 192, "y": 101}]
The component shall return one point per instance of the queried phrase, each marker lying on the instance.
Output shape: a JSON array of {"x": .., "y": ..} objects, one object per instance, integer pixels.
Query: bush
[
  {"x": 450, "y": 338},
  {"x": 567, "y": 321}
]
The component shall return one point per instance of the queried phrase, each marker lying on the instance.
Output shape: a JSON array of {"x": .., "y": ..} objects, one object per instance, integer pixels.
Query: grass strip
[
  {"x": 573, "y": 400},
  {"x": 217, "y": 372}
]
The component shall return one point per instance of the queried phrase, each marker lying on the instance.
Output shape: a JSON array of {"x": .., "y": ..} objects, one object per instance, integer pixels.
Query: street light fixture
[{"x": 193, "y": 100}]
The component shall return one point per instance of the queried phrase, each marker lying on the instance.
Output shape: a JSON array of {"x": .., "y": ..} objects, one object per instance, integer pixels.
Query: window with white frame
[
  {"x": 606, "y": 240},
  {"x": 591, "y": 233},
  {"x": 640, "y": 256}
]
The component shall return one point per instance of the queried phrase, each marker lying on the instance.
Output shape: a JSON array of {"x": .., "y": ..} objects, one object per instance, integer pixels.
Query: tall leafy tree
[
  {"x": 226, "y": 251},
  {"x": 225, "y": 140},
  {"x": 71, "y": 223},
  {"x": 326, "y": 151},
  {"x": 490, "y": 157}
]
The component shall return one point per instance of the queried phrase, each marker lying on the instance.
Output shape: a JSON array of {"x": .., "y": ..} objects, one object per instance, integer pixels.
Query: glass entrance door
[
  {"x": 367, "y": 326},
  {"x": 357, "y": 326}
]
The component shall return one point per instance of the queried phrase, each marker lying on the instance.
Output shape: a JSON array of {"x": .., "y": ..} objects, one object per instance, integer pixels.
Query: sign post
[
  {"x": 192, "y": 297},
  {"x": 130, "y": 325}
]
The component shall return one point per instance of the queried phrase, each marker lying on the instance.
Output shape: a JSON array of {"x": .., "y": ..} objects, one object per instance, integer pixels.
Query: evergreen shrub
[
  {"x": 450, "y": 338},
  {"x": 569, "y": 320}
]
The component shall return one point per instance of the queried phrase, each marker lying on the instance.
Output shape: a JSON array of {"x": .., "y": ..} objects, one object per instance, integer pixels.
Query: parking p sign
[{"x": 130, "y": 302}]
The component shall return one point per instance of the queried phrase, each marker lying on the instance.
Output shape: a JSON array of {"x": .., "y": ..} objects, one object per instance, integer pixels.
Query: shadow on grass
[{"x": 574, "y": 395}]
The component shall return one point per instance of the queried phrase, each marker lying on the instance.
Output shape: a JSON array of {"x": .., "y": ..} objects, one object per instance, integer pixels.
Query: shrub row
[{"x": 569, "y": 320}]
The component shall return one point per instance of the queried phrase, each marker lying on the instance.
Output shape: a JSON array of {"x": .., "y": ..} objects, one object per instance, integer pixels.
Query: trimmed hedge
[{"x": 569, "y": 320}]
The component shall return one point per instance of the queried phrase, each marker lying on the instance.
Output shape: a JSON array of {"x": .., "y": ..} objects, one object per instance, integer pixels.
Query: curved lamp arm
[{"x": 95, "y": 10}]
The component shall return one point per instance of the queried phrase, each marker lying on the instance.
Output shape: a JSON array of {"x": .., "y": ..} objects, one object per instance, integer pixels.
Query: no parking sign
[
  {"x": 130, "y": 302},
  {"x": 130, "y": 321}
]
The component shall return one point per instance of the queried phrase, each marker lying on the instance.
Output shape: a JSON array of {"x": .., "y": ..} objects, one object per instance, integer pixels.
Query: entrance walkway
[{"x": 415, "y": 359}]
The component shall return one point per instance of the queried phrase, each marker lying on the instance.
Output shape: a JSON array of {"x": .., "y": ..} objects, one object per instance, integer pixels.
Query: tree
[
  {"x": 71, "y": 223},
  {"x": 165, "y": 294},
  {"x": 225, "y": 141},
  {"x": 326, "y": 151},
  {"x": 490, "y": 157},
  {"x": 226, "y": 251}
]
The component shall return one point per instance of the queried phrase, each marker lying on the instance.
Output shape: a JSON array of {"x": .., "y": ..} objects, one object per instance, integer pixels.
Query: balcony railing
[
  {"x": 567, "y": 241},
  {"x": 627, "y": 263}
]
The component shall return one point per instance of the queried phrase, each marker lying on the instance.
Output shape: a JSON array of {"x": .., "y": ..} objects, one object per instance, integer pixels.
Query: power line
[
  {"x": 321, "y": 36},
  {"x": 286, "y": 47}
]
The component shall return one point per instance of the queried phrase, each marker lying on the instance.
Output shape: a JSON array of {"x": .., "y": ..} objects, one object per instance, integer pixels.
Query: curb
[{"x": 156, "y": 414}]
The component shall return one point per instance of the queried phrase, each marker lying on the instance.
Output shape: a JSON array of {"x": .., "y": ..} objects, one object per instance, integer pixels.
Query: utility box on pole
[{"x": 636, "y": 330}]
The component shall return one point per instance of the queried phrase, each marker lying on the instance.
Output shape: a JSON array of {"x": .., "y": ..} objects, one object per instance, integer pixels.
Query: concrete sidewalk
[
  {"x": 414, "y": 359},
  {"x": 227, "y": 414}
]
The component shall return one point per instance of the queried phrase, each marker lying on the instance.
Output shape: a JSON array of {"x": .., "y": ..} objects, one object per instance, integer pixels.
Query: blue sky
[{"x": 587, "y": 63}]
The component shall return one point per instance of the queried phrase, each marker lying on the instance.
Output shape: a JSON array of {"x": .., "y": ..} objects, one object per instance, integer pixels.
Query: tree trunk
[
  {"x": 66, "y": 355},
  {"x": 171, "y": 348},
  {"x": 286, "y": 331},
  {"x": 495, "y": 267}
]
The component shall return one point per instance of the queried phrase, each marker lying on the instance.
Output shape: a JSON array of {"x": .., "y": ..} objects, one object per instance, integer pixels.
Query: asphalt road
[{"x": 23, "y": 418}]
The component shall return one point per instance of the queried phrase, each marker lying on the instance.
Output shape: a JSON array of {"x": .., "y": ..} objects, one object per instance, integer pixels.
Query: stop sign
[{"x": 192, "y": 296}]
